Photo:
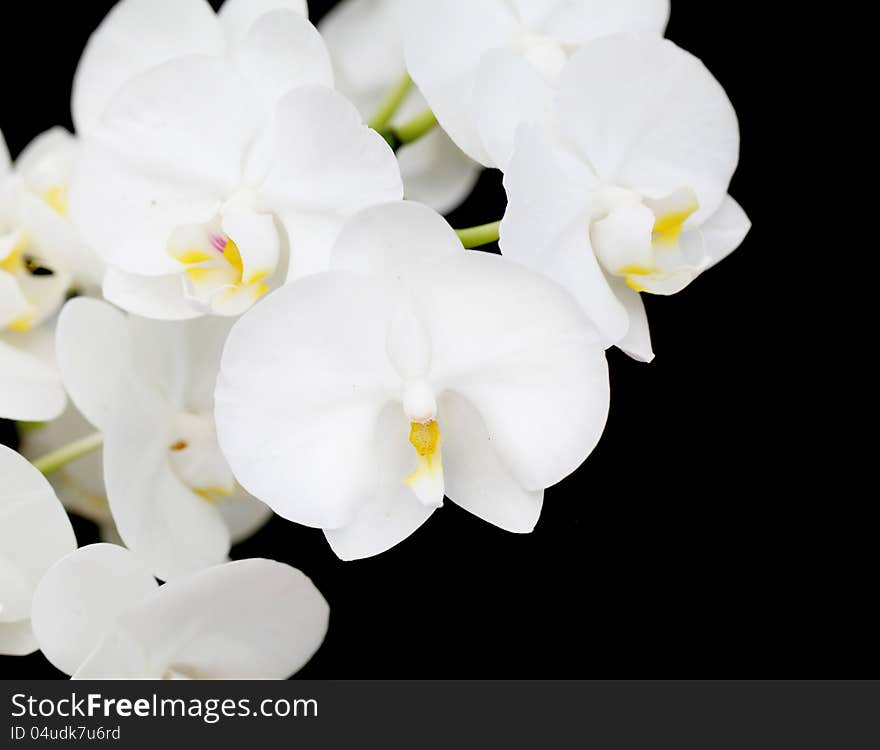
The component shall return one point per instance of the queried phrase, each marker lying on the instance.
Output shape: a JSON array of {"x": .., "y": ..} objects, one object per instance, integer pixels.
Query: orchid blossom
[
  {"x": 98, "y": 613},
  {"x": 354, "y": 400},
  {"x": 628, "y": 194},
  {"x": 210, "y": 179},
  {"x": 166, "y": 480}
]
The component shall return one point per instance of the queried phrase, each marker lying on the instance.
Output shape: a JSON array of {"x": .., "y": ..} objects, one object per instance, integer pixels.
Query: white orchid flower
[
  {"x": 353, "y": 400},
  {"x": 630, "y": 195},
  {"x": 366, "y": 42},
  {"x": 98, "y": 613},
  {"x": 212, "y": 178},
  {"x": 41, "y": 258},
  {"x": 34, "y": 533},
  {"x": 485, "y": 66},
  {"x": 152, "y": 397}
]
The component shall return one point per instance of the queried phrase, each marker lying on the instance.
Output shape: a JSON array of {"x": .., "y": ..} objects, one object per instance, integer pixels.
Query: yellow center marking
[
  {"x": 426, "y": 439},
  {"x": 56, "y": 197}
]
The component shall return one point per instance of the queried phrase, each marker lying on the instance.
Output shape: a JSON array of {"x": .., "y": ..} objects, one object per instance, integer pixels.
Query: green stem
[
  {"x": 409, "y": 131},
  {"x": 67, "y": 453},
  {"x": 389, "y": 106},
  {"x": 481, "y": 235}
]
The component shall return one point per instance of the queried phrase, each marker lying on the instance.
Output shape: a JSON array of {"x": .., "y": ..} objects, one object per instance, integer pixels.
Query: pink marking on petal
[{"x": 218, "y": 242}]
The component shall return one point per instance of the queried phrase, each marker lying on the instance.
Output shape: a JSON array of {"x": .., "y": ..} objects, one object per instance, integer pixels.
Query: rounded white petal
[
  {"x": 90, "y": 331},
  {"x": 511, "y": 92},
  {"x": 546, "y": 227},
  {"x": 251, "y": 619},
  {"x": 649, "y": 117},
  {"x": 171, "y": 528},
  {"x": 365, "y": 40},
  {"x": 170, "y": 149},
  {"x": 394, "y": 513},
  {"x": 390, "y": 237},
  {"x": 521, "y": 350},
  {"x": 155, "y": 297},
  {"x": 47, "y": 158},
  {"x": 637, "y": 341},
  {"x": 138, "y": 35},
  {"x": 443, "y": 54},
  {"x": 721, "y": 233},
  {"x": 280, "y": 52},
  {"x": 30, "y": 389},
  {"x": 34, "y": 533},
  {"x": 80, "y": 598},
  {"x": 476, "y": 479},
  {"x": 238, "y": 16},
  {"x": 328, "y": 166},
  {"x": 300, "y": 436}
]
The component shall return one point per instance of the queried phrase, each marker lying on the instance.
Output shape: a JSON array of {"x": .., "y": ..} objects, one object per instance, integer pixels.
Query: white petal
[
  {"x": 637, "y": 341},
  {"x": 90, "y": 331},
  {"x": 395, "y": 512},
  {"x": 252, "y": 619},
  {"x": 721, "y": 233},
  {"x": 30, "y": 390},
  {"x": 520, "y": 349},
  {"x": 476, "y": 479},
  {"x": 151, "y": 371},
  {"x": 172, "y": 529},
  {"x": 170, "y": 149},
  {"x": 34, "y": 533},
  {"x": 578, "y": 22},
  {"x": 389, "y": 238},
  {"x": 328, "y": 166},
  {"x": 156, "y": 297},
  {"x": 80, "y": 598},
  {"x": 280, "y": 52},
  {"x": 47, "y": 159},
  {"x": 649, "y": 116},
  {"x": 365, "y": 40},
  {"x": 511, "y": 92},
  {"x": 443, "y": 55},
  {"x": 301, "y": 435},
  {"x": 138, "y": 35},
  {"x": 547, "y": 227},
  {"x": 238, "y": 16}
]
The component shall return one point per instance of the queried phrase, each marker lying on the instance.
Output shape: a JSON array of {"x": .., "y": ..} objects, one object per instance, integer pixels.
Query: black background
[{"x": 698, "y": 539}]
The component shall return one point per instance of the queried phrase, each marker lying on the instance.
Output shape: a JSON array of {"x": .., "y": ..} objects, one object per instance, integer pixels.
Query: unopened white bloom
[
  {"x": 98, "y": 613},
  {"x": 485, "y": 66},
  {"x": 353, "y": 400},
  {"x": 34, "y": 533},
  {"x": 629, "y": 194},
  {"x": 148, "y": 386},
  {"x": 212, "y": 178},
  {"x": 366, "y": 42},
  {"x": 41, "y": 258}
]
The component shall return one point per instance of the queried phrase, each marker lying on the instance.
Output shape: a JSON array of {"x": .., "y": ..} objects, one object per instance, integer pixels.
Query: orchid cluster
[{"x": 232, "y": 292}]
